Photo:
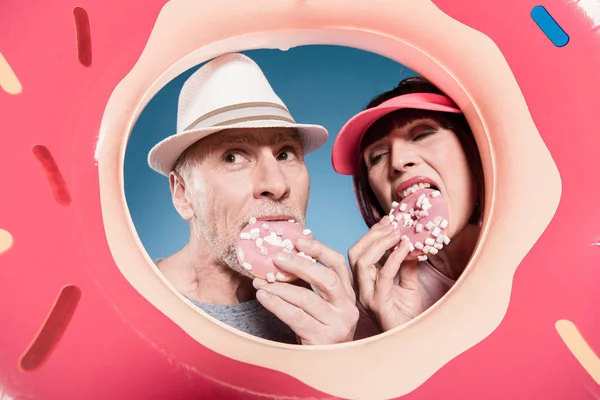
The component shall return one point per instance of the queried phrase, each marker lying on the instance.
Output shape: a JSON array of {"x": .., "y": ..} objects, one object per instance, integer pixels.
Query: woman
[{"x": 413, "y": 133}]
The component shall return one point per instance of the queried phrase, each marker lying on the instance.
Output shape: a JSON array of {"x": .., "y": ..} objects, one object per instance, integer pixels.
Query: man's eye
[
  {"x": 286, "y": 154},
  {"x": 232, "y": 158}
]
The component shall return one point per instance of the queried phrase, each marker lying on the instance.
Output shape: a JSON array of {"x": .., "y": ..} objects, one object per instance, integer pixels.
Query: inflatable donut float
[{"x": 84, "y": 313}]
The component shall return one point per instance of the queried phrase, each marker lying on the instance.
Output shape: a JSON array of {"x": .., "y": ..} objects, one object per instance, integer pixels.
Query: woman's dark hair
[{"x": 368, "y": 204}]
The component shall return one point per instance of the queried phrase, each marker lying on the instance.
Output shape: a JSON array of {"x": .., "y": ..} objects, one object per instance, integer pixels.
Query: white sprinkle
[
  {"x": 411, "y": 212},
  {"x": 433, "y": 251},
  {"x": 391, "y": 217},
  {"x": 306, "y": 232},
  {"x": 429, "y": 225},
  {"x": 241, "y": 253},
  {"x": 438, "y": 246},
  {"x": 266, "y": 227},
  {"x": 420, "y": 200},
  {"x": 419, "y": 245},
  {"x": 280, "y": 276},
  {"x": 436, "y": 231},
  {"x": 271, "y": 277},
  {"x": 426, "y": 206},
  {"x": 435, "y": 193},
  {"x": 422, "y": 258},
  {"x": 437, "y": 220},
  {"x": 406, "y": 238},
  {"x": 419, "y": 228},
  {"x": 444, "y": 224},
  {"x": 446, "y": 240},
  {"x": 252, "y": 221},
  {"x": 244, "y": 235},
  {"x": 411, "y": 247},
  {"x": 287, "y": 243},
  {"x": 403, "y": 207},
  {"x": 394, "y": 204},
  {"x": 254, "y": 233},
  {"x": 264, "y": 251},
  {"x": 395, "y": 224},
  {"x": 429, "y": 241},
  {"x": 423, "y": 213},
  {"x": 259, "y": 242},
  {"x": 247, "y": 266},
  {"x": 440, "y": 239},
  {"x": 426, "y": 249},
  {"x": 273, "y": 240}
]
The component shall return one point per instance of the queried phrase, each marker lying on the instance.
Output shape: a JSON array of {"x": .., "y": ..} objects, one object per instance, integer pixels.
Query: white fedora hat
[{"x": 230, "y": 91}]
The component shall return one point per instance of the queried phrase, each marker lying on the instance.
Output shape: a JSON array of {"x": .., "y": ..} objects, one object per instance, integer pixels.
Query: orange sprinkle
[
  {"x": 579, "y": 348},
  {"x": 8, "y": 80},
  {"x": 6, "y": 240}
]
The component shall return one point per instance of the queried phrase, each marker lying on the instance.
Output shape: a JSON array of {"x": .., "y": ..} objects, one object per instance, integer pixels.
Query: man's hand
[{"x": 328, "y": 317}]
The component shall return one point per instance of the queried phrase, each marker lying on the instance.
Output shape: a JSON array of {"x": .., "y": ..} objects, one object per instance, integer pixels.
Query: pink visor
[{"x": 346, "y": 148}]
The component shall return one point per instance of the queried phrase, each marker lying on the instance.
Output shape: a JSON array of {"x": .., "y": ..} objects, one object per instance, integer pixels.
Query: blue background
[{"x": 323, "y": 85}]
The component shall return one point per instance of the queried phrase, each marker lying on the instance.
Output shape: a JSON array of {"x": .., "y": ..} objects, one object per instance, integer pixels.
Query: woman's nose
[{"x": 403, "y": 159}]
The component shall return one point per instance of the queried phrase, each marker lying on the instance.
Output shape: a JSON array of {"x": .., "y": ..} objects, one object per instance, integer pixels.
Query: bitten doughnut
[
  {"x": 260, "y": 240},
  {"x": 422, "y": 216}
]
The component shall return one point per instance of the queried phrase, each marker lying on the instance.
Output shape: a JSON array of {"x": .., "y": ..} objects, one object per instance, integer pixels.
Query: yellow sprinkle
[
  {"x": 579, "y": 348},
  {"x": 6, "y": 240},
  {"x": 8, "y": 80}
]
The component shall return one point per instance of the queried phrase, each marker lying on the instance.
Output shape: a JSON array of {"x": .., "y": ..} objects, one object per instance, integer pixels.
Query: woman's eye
[
  {"x": 423, "y": 135},
  {"x": 375, "y": 158}
]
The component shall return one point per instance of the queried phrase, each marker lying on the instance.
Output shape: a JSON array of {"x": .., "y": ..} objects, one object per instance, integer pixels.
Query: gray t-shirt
[{"x": 250, "y": 317}]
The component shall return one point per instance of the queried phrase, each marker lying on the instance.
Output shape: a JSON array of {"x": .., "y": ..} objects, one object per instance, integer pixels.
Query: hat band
[{"x": 241, "y": 112}]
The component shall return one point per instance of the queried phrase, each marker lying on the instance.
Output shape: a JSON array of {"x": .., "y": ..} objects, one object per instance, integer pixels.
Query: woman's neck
[{"x": 453, "y": 260}]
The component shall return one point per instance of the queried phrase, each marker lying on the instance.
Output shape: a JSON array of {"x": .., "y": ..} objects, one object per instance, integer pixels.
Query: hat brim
[
  {"x": 163, "y": 156},
  {"x": 346, "y": 147}
]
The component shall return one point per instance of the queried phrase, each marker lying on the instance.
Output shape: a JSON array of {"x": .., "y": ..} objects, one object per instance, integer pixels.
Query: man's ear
[{"x": 181, "y": 201}]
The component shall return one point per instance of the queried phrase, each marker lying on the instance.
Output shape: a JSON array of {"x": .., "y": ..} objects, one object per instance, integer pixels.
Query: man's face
[{"x": 238, "y": 174}]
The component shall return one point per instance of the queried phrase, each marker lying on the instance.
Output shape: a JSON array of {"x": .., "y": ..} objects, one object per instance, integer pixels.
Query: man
[{"x": 239, "y": 154}]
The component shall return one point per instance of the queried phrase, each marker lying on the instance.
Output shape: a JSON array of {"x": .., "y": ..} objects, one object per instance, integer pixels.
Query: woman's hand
[{"x": 390, "y": 303}]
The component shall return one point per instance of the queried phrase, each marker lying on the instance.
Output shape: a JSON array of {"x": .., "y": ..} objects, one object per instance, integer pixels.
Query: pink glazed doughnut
[
  {"x": 259, "y": 241},
  {"x": 422, "y": 216}
]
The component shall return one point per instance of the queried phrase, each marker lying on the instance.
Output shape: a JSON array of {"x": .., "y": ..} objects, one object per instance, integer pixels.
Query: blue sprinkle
[{"x": 549, "y": 26}]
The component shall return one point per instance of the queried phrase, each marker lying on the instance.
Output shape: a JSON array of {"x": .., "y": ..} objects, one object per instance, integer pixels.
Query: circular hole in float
[
  {"x": 323, "y": 85},
  {"x": 492, "y": 102}
]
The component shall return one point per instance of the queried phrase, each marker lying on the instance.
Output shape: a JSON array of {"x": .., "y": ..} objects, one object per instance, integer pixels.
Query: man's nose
[{"x": 270, "y": 180}]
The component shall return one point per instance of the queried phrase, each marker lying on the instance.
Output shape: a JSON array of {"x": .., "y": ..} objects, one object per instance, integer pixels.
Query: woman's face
[{"x": 423, "y": 149}]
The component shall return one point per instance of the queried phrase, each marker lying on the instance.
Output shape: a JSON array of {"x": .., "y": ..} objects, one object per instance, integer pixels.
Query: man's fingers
[
  {"x": 325, "y": 280},
  {"x": 386, "y": 275},
  {"x": 328, "y": 257},
  {"x": 297, "y": 319},
  {"x": 302, "y": 298}
]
